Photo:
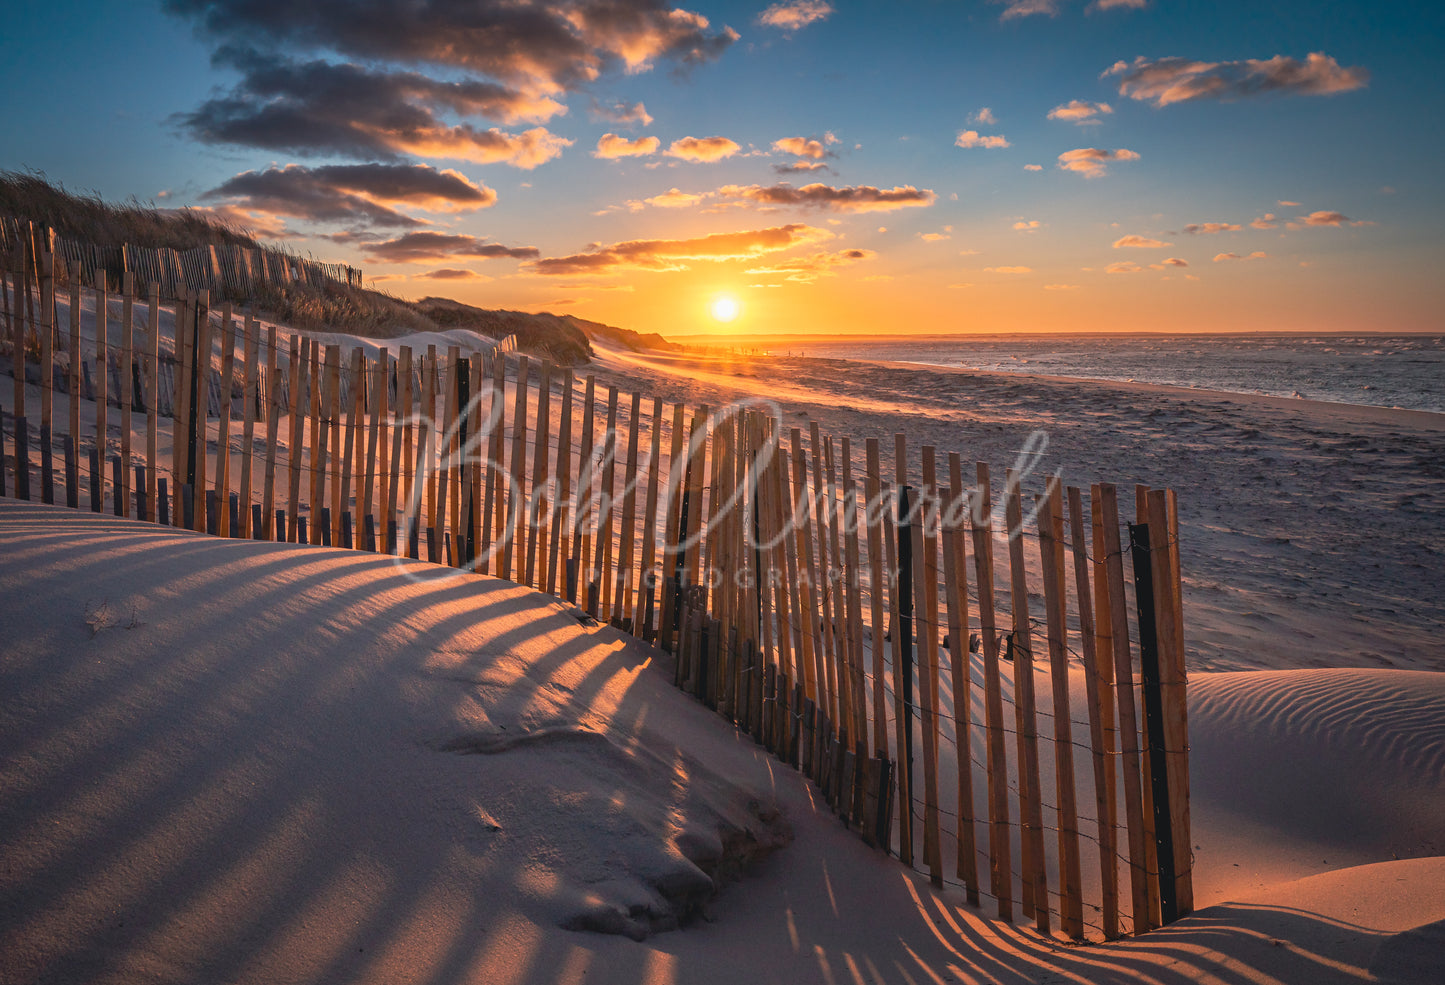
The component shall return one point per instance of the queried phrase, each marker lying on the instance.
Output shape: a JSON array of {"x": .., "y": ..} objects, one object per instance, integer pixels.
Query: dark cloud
[
  {"x": 316, "y": 107},
  {"x": 801, "y": 167},
  {"x": 453, "y": 273},
  {"x": 668, "y": 254},
  {"x": 556, "y": 46},
  {"x": 850, "y": 198},
  {"x": 369, "y": 193},
  {"x": 1177, "y": 80},
  {"x": 428, "y": 247}
]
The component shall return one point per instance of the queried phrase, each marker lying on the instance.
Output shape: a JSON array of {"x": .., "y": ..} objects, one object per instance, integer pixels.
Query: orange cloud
[
  {"x": 1079, "y": 111},
  {"x": 805, "y": 147},
  {"x": 1144, "y": 242},
  {"x": 610, "y": 146},
  {"x": 703, "y": 148},
  {"x": 805, "y": 270},
  {"x": 668, "y": 254},
  {"x": 1175, "y": 262},
  {"x": 524, "y": 150},
  {"x": 794, "y": 15},
  {"x": 674, "y": 199},
  {"x": 970, "y": 138},
  {"x": 261, "y": 224},
  {"x": 1061, "y": 287},
  {"x": 1267, "y": 221},
  {"x": 1028, "y": 225},
  {"x": 1123, "y": 267},
  {"x": 1178, "y": 80},
  {"x": 1207, "y": 228},
  {"x": 1008, "y": 270},
  {"x": 1033, "y": 167},
  {"x": 1223, "y": 257},
  {"x": 1092, "y": 162},
  {"x": 859, "y": 198},
  {"x": 1324, "y": 218}
]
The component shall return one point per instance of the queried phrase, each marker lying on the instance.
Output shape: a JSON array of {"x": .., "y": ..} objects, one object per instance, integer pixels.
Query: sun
[{"x": 725, "y": 308}]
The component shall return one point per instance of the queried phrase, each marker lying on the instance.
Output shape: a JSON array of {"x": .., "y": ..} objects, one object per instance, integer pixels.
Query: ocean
[{"x": 1405, "y": 371}]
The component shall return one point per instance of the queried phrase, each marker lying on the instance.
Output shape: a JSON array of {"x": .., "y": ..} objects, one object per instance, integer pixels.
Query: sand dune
[{"x": 238, "y": 761}]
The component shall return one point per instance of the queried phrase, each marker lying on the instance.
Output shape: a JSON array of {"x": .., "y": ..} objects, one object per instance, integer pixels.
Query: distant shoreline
[{"x": 725, "y": 340}]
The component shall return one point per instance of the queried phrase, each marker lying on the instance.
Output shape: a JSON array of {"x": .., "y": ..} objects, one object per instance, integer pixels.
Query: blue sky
[{"x": 1218, "y": 116}]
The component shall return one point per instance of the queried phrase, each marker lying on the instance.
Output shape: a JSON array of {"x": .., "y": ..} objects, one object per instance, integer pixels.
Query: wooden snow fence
[
  {"x": 222, "y": 269},
  {"x": 983, "y": 675}
]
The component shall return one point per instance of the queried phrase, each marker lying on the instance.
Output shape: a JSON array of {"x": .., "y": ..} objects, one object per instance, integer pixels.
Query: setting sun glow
[{"x": 725, "y": 308}]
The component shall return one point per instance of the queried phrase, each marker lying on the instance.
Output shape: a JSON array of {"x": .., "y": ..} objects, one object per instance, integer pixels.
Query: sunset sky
[{"x": 1016, "y": 165}]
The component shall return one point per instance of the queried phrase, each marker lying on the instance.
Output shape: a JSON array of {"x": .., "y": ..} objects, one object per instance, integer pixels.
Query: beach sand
[
  {"x": 1312, "y": 534},
  {"x": 234, "y": 761}
]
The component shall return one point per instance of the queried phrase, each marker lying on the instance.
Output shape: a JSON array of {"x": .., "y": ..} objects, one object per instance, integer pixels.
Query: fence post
[{"x": 903, "y": 655}]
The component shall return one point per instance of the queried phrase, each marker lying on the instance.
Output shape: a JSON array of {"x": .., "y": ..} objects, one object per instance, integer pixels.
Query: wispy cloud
[
  {"x": 801, "y": 167},
  {"x": 848, "y": 198},
  {"x": 1123, "y": 267},
  {"x": 454, "y": 274},
  {"x": 1080, "y": 112},
  {"x": 1092, "y": 162},
  {"x": 1225, "y": 257},
  {"x": 805, "y": 270},
  {"x": 622, "y": 114},
  {"x": 1027, "y": 225},
  {"x": 984, "y": 117},
  {"x": 1267, "y": 221},
  {"x": 675, "y": 199},
  {"x": 703, "y": 148},
  {"x": 939, "y": 237},
  {"x": 971, "y": 138},
  {"x": 1143, "y": 242},
  {"x": 1008, "y": 270},
  {"x": 671, "y": 254},
  {"x": 1166, "y": 81},
  {"x": 1209, "y": 228},
  {"x": 610, "y": 146},
  {"x": 1027, "y": 8},
  {"x": 794, "y": 15}
]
